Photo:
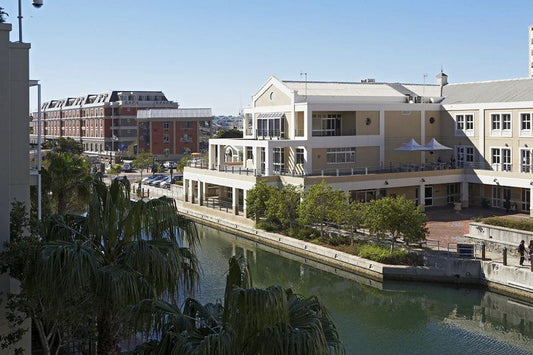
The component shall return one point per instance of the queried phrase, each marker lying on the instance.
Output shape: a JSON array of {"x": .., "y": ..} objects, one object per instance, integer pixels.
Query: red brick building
[
  {"x": 171, "y": 133},
  {"x": 104, "y": 123}
]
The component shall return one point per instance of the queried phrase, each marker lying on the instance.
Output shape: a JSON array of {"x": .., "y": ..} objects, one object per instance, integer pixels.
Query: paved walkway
[{"x": 447, "y": 228}]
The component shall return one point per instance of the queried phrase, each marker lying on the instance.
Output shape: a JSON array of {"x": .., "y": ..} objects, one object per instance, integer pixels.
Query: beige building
[
  {"x": 14, "y": 139},
  {"x": 348, "y": 134}
]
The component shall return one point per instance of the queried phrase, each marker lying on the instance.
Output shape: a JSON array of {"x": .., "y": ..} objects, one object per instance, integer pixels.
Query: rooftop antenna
[{"x": 305, "y": 75}]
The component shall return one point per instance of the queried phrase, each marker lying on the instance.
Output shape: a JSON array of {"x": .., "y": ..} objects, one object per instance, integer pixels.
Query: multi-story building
[
  {"x": 348, "y": 134},
  {"x": 171, "y": 133},
  {"x": 530, "y": 53},
  {"x": 15, "y": 176},
  {"x": 104, "y": 123}
]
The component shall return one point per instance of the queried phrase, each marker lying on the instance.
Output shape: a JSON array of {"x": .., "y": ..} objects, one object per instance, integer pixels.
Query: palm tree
[
  {"x": 68, "y": 179},
  {"x": 119, "y": 253},
  {"x": 252, "y": 321}
]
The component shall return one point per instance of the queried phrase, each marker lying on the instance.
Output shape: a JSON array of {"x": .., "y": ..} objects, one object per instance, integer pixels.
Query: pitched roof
[
  {"x": 512, "y": 90},
  {"x": 320, "y": 88}
]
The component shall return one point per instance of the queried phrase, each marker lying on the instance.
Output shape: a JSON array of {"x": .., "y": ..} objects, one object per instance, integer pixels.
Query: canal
[{"x": 374, "y": 317}]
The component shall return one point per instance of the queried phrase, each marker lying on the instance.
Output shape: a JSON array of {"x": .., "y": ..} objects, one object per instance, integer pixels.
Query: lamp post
[
  {"x": 113, "y": 139},
  {"x": 35, "y": 3},
  {"x": 39, "y": 152}
]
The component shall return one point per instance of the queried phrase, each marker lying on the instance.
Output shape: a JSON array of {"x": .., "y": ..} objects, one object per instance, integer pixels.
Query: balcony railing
[{"x": 270, "y": 134}]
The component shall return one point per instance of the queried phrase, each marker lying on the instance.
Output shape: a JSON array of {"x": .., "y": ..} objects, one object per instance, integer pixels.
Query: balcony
[{"x": 270, "y": 134}]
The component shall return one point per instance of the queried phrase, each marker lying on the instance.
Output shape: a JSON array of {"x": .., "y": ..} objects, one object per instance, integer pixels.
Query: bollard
[
  {"x": 504, "y": 255},
  {"x": 482, "y": 251}
]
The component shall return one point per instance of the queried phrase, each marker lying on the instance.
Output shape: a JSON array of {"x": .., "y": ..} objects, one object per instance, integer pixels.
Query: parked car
[
  {"x": 157, "y": 180},
  {"x": 149, "y": 179},
  {"x": 170, "y": 164},
  {"x": 165, "y": 183},
  {"x": 127, "y": 167}
]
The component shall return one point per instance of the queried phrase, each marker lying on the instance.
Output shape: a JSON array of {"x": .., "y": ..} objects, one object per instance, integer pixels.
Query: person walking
[
  {"x": 530, "y": 250},
  {"x": 522, "y": 251}
]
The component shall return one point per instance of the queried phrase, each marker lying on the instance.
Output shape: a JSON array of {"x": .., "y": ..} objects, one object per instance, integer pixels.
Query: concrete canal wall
[{"x": 513, "y": 281}]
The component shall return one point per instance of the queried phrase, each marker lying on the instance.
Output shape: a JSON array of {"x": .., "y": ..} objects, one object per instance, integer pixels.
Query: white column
[
  {"x": 200, "y": 193},
  {"x": 464, "y": 194},
  {"x": 269, "y": 160},
  {"x": 308, "y": 162},
  {"x": 212, "y": 157},
  {"x": 244, "y": 156},
  {"x": 481, "y": 135},
  {"x": 244, "y": 205},
  {"x": 382, "y": 137},
  {"x": 257, "y": 160},
  {"x": 531, "y": 201},
  {"x": 422, "y": 196},
  {"x": 191, "y": 191},
  {"x": 186, "y": 190},
  {"x": 235, "y": 200},
  {"x": 220, "y": 156},
  {"x": 422, "y": 134}
]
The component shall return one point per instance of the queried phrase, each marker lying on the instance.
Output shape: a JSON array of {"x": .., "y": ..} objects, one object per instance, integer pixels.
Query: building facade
[
  {"x": 104, "y": 123},
  {"x": 348, "y": 134},
  {"x": 171, "y": 133}
]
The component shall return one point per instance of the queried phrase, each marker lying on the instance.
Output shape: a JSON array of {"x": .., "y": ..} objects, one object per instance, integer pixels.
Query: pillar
[
  {"x": 257, "y": 160},
  {"x": 531, "y": 202},
  {"x": 308, "y": 161},
  {"x": 244, "y": 205},
  {"x": 212, "y": 156},
  {"x": 235, "y": 200},
  {"x": 422, "y": 196},
  {"x": 186, "y": 190},
  {"x": 269, "y": 160},
  {"x": 220, "y": 156},
  {"x": 200, "y": 193},
  {"x": 244, "y": 156},
  {"x": 464, "y": 194},
  {"x": 191, "y": 191}
]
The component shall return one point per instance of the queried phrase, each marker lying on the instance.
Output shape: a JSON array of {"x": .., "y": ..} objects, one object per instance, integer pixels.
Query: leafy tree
[
  {"x": 183, "y": 162},
  {"x": 282, "y": 206},
  {"x": 114, "y": 169},
  {"x": 321, "y": 203},
  {"x": 251, "y": 321},
  {"x": 119, "y": 253},
  {"x": 352, "y": 215},
  {"x": 68, "y": 179},
  {"x": 396, "y": 217},
  {"x": 142, "y": 161},
  {"x": 64, "y": 145},
  {"x": 228, "y": 133},
  {"x": 256, "y": 201}
]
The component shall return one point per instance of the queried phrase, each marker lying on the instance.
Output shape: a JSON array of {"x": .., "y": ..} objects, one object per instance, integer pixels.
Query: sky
[{"x": 219, "y": 53}]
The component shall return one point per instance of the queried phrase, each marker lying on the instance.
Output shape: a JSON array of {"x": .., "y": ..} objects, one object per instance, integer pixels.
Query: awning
[
  {"x": 271, "y": 115},
  {"x": 435, "y": 145},
  {"x": 411, "y": 146}
]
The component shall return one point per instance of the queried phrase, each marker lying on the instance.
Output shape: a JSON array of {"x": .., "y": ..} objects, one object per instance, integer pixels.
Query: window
[
  {"x": 500, "y": 124},
  {"x": 464, "y": 124},
  {"x": 340, "y": 155},
  {"x": 496, "y": 197},
  {"x": 166, "y": 126},
  {"x": 326, "y": 124},
  {"x": 525, "y": 124},
  {"x": 186, "y": 124},
  {"x": 526, "y": 198},
  {"x": 279, "y": 159},
  {"x": 300, "y": 157},
  {"x": 464, "y": 156},
  {"x": 525, "y": 160},
  {"x": 501, "y": 159},
  {"x": 186, "y": 138},
  {"x": 249, "y": 152},
  {"x": 166, "y": 138}
]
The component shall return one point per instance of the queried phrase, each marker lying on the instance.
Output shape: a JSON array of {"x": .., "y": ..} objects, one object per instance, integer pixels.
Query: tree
[
  {"x": 282, "y": 206},
  {"x": 251, "y": 321},
  {"x": 64, "y": 145},
  {"x": 228, "y": 133},
  {"x": 257, "y": 198},
  {"x": 352, "y": 215},
  {"x": 68, "y": 179},
  {"x": 119, "y": 253},
  {"x": 396, "y": 217},
  {"x": 142, "y": 161},
  {"x": 321, "y": 203},
  {"x": 183, "y": 162}
]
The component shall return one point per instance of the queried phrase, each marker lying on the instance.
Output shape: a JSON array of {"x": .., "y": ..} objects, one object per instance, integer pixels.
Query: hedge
[{"x": 521, "y": 224}]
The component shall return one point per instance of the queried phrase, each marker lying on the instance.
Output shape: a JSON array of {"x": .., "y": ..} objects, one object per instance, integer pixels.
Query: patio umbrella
[
  {"x": 435, "y": 145},
  {"x": 411, "y": 146}
]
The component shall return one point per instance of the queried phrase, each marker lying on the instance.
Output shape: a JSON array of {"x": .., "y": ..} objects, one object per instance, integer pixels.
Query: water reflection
[{"x": 374, "y": 317}]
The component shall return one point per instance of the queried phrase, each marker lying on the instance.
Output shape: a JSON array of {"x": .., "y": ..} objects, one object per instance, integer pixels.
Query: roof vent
[{"x": 368, "y": 80}]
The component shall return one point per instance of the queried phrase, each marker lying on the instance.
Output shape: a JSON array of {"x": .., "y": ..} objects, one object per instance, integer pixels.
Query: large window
[
  {"x": 267, "y": 127},
  {"x": 300, "y": 157},
  {"x": 166, "y": 138},
  {"x": 340, "y": 155},
  {"x": 464, "y": 156},
  {"x": 525, "y": 161},
  {"x": 326, "y": 124},
  {"x": 279, "y": 160},
  {"x": 166, "y": 126},
  {"x": 464, "y": 124},
  {"x": 526, "y": 198}
]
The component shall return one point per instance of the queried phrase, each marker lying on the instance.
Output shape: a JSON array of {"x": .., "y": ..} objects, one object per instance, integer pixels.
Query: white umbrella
[
  {"x": 411, "y": 146},
  {"x": 435, "y": 145}
]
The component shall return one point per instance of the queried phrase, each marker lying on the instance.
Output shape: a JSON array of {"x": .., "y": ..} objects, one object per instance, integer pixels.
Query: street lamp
[
  {"x": 35, "y": 3},
  {"x": 113, "y": 139},
  {"x": 39, "y": 141}
]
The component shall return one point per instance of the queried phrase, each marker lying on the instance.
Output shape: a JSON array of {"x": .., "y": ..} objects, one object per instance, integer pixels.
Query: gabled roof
[
  {"x": 512, "y": 90},
  {"x": 321, "y": 88}
]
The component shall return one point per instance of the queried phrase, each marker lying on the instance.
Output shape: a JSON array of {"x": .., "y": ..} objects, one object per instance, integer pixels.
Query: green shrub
[
  {"x": 521, "y": 224},
  {"x": 304, "y": 233},
  {"x": 335, "y": 240},
  {"x": 383, "y": 255},
  {"x": 114, "y": 169},
  {"x": 268, "y": 226}
]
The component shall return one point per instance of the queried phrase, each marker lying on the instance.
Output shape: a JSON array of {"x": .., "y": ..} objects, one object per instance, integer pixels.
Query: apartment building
[
  {"x": 171, "y": 133},
  {"x": 353, "y": 135},
  {"x": 104, "y": 123}
]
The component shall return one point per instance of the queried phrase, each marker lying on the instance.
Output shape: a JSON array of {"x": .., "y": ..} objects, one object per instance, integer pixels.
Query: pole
[
  {"x": 39, "y": 152},
  {"x": 20, "y": 21}
]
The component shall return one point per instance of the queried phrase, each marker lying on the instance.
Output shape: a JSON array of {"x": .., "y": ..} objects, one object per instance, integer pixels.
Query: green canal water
[{"x": 379, "y": 318}]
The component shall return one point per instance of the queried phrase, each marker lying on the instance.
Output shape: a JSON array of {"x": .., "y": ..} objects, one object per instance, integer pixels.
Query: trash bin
[{"x": 465, "y": 250}]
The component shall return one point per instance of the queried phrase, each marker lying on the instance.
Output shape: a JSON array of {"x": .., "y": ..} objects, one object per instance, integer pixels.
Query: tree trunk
[
  {"x": 61, "y": 203},
  {"x": 42, "y": 336},
  {"x": 107, "y": 334}
]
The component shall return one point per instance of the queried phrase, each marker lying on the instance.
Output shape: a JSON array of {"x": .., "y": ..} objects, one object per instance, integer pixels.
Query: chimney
[{"x": 442, "y": 80}]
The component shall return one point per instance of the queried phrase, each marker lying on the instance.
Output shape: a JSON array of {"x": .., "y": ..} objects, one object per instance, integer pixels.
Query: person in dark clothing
[
  {"x": 507, "y": 205},
  {"x": 530, "y": 249},
  {"x": 521, "y": 251}
]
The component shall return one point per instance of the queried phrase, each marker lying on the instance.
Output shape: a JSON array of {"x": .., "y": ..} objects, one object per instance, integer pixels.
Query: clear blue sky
[{"x": 218, "y": 53}]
